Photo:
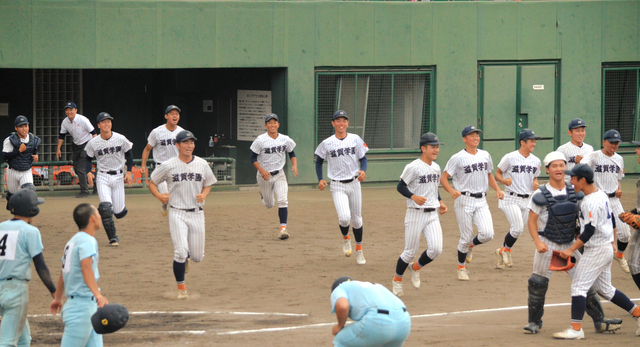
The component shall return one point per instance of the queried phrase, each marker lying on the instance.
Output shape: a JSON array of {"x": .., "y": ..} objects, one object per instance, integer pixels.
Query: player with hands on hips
[
  {"x": 608, "y": 169},
  {"x": 111, "y": 150},
  {"x": 518, "y": 171},
  {"x": 552, "y": 225},
  {"x": 342, "y": 152},
  {"x": 189, "y": 180},
  {"x": 575, "y": 150},
  {"x": 470, "y": 170},
  {"x": 20, "y": 243},
  {"x": 79, "y": 281},
  {"x": 379, "y": 317},
  {"x": 268, "y": 155},
  {"x": 632, "y": 218},
  {"x": 20, "y": 151},
  {"x": 419, "y": 184},
  {"x": 162, "y": 140}
]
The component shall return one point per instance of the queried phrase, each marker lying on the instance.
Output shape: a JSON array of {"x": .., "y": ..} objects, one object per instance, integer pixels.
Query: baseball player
[
  {"x": 552, "y": 225},
  {"x": 268, "y": 156},
  {"x": 189, "y": 180},
  {"x": 342, "y": 152},
  {"x": 80, "y": 128},
  {"x": 518, "y": 171},
  {"x": 575, "y": 150},
  {"x": 594, "y": 267},
  {"x": 380, "y": 318},
  {"x": 608, "y": 168},
  {"x": 79, "y": 281},
  {"x": 162, "y": 140},
  {"x": 110, "y": 149},
  {"x": 470, "y": 170},
  {"x": 419, "y": 184},
  {"x": 20, "y": 150},
  {"x": 20, "y": 242},
  {"x": 634, "y": 243}
]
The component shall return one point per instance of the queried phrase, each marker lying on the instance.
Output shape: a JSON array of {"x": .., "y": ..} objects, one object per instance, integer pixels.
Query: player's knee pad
[
  {"x": 538, "y": 285},
  {"x": 594, "y": 308},
  {"x": 121, "y": 214},
  {"x": 105, "y": 209},
  {"x": 29, "y": 186}
]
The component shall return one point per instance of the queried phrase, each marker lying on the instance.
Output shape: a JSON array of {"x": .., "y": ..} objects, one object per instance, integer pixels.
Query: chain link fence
[{"x": 620, "y": 109}]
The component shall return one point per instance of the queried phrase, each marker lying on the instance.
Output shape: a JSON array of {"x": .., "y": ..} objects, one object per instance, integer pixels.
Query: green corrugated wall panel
[
  {"x": 620, "y": 35},
  {"x": 126, "y": 35},
  {"x": 580, "y": 77},
  {"x": 498, "y": 31},
  {"x": 15, "y": 23},
  {"x": 326, "y": 34},
  {"x": 357, "y": 36},
  {"x": 537, "y": 33},
  {"x": 278, "y": 56},
  {"x": 392, "y": 35},
  {"x": 422, "y": 35}
]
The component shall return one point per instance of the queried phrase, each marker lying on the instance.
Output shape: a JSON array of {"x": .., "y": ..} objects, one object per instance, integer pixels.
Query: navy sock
[
  {"x": 462, "y": 257},
  {"x": 424, "y": 259},
  {"x": 476, "y": 241},
  {"x": 622, "y": 246},
  {"x": 636, "y": 278},
  {"x": 178, "y": 271},
  {"x": 578, "y": 307},
  {"x": 509, "y": 240},
  {"x": 401, "y": 267},
  {"x": 344, "y": 230},
  {"x": 283, "y": 212},
  {"x": 622, "y": 301},
  {"x": 357, "y": 234}
]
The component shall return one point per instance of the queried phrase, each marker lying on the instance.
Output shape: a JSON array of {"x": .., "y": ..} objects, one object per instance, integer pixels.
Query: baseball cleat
[
  {"x": 182, "y": 294},
  {"x": 469, "y": 255},
  {"x": 462, "y": 274},
  {"x": 570, "y": 334},
  {"x": 506, "y": 258},
  {"x": 360, "y": 258},
  {"x": 608, "y": 326},
  {"x": 499, "y": 260},
  {"x": 415, "y": 276},
  {"x": 187, "y": 266},
  {"x": 531, "y": 328},
  {"x": 114, "y": 243},
  {"x": 346, "y": 247},
  {"x": 623, "y": 263},
  {"x": 164, "y": 209},
  {"x": 82, "y": 195},
  {"x": 397, "y": 288},
  {"x": 283, "y": 233}
]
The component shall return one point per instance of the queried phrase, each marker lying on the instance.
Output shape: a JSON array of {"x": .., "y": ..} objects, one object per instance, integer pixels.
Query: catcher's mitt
[
  {"x": 632, "y": 219},
  {"x": 560, "y": 264}
]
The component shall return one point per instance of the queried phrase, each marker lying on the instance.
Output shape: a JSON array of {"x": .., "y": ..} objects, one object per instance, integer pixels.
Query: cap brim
[
  {"x": 637, "y": 143},
  {"x": 23, "y": 123},
  {"x": 532, "y": 138},
  {"x": 570, "y": 173},
  {"x": 40, "y": 201},
  {"x": 578, "y": 126},
  {"x": 345, "y": 117},
  {"x": 431, "y": 143},
  {"x": 613, "y": 140}
]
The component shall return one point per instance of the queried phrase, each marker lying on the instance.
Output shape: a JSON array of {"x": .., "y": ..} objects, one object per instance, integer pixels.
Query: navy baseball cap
[
  {"x": 271, "y": 116},
  {"x": 527, "y": 134},
  {"x": 110, "y": 318},
  {"x": 171, "y": 108},
  {"x": 577, "y": 123},
  {"x": 339, "y": 281},
  {"x": 612, "y": 136},
  {"x": 185, "y": 135},
  {"x": 637, "y": 143},
  {"x": 470, "y": 129},
  {"x": 70, "y": 104},
  {"x": 20, "y": 120},
  {"x": 429, "y": 139},
  {"x": 102, "y": 116},
  {"x": 340, "y": 114},
  {"x": 581, "y": 170}
]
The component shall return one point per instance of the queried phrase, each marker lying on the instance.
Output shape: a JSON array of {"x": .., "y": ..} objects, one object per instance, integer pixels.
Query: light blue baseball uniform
[
  {"x": 80, "y": 305},
  {"x": 19, "y": 243},
  {"x": 380, "y": 318}
]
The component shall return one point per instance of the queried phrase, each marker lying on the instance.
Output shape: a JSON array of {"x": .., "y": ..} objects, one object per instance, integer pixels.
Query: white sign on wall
[{"x": 253, "y": 106}]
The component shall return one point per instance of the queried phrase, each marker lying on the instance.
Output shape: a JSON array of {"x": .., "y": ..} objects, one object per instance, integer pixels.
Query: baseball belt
[
  {"x": 524, "y": 196},
  {"x": 381, "y": 311},
  {"x": 273, "y": 173},
  {"x": 474, "y": 195},
  {"x": 112, "y": 172},
  {"x": 611, "y": 195},
  {"x": 188, "y": 209},
  {"x": 346, "y": 181},
  {"x": 424, "y": 209}
]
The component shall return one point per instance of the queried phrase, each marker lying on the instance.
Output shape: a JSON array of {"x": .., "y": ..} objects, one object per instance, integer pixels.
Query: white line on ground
[{"x": 201, "y": 312}]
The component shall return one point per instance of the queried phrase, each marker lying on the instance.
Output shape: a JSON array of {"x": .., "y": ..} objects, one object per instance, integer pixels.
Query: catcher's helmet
[
  {"x": 110, "y": 318},
  {"x": 25, "y": 203},
  {"x": 337, "y": 282}
]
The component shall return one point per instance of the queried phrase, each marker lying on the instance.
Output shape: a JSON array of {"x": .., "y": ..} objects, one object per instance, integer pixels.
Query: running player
[
  {"x": 110, "y": 149},
  {"x": 634, "y": 243},
  {"x": 470, "y": 170},
  {"x": 162, "y": 140},
  {"x": 419, "y": 184},
  {"x": 608, "y": 168},
  {"x": 342, "y": 152},
  {"x": 268, "y": 156},
  {"x": 575, "y": 149},
  {"x": 20, "y": 150},
  {"x": 518, "y": 171},
  {"x": 594, "y": 267},
  {"x": 189, "y": 180}
]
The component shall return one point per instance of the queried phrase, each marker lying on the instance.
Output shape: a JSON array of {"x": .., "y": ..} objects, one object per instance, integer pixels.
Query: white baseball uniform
[
  {"x": 571, "y": 151},
  {"x": 186, "y": 217},
  {"x": 16, "y": 178},
  {"x": 470, "y": 175},
  {"x": 272, "y": 157},
  {"x": 163, "y": 142},
  {"x": 110, "y": 159}
]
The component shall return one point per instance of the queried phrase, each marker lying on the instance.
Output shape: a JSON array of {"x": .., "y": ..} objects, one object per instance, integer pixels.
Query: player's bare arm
[
  {"x": 322, "y": 184},
  {"x": 574, "y": 247},
  {"x": 128, "y": 178},
  {"x": 294, "y": 166},
  {"x": 163, "y": 197},
  {"x": 35, "y": 158},
  {"x": 56, "y": 304},
  {"x": 203, "y": 195},
  {"x": 362, "y": 176},
  {"x": 444, "y": 180},
  {"x": 493, "y": 184},
  {"x": 541, "y": 247},
  {"x": 264, "y": 173},
  {"x": 90, "y": 178},
  {"x": 420, "y": 200},
  {"x": 342, "y": 312},
  {"x": 501, "y": 179},
  {"x": 536, "y": 185},
  {"x": 22, "y": 147},
  {"x": 145, "y": 158},
  {"x": 90, "y": 279},
  {"x": 58, "y": 151},
  {"x": 443, "y": 208},
  {"x": 619, "y": 191}
]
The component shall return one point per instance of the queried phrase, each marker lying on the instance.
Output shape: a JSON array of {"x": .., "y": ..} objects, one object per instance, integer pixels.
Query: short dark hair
[
  {"x": 578, "y": 177},
  {"x": 82, "y": 213}
]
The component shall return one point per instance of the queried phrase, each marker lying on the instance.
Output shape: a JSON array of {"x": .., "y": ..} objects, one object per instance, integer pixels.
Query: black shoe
[{"x": 82, "y": 195}]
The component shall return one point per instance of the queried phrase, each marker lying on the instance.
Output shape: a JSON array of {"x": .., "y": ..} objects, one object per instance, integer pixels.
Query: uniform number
[
  {"x": 3, "y": 244},
  {"x": 8, "y": 244},
  {"x": 66, "y": 258}
]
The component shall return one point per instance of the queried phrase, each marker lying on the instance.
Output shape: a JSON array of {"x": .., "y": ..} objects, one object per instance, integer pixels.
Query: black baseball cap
[
  {"x": 70, "y": 104},
  {"x": 185, "y": 135},
  {"x": 109, "y": 318},
  {"x": 612, "y": 136},
  {"x": 527, "y": 134},
  {"x": 171, "y": 108},
  {"x": 340, "y": 114},
  {"x": 339, "y": 281},
  {"x": 470, "y": 129},
  {"x": 102, "y": 116},
  {"x": 581, "y": 170},
  {"x": 271, "y": 116},
  {"x": 21, "y": 120},
  {"x": 577, "y": 123},
  {"x": 25, "y": 203},
  {"x": 429, "y": 139}
]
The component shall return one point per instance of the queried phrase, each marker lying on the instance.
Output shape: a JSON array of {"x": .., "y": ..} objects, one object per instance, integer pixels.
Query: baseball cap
[
  {"x": 271, "y": 116},
  {"x": 102, "y": 116},
  {"x": 637, "y": 143},
  {"x": 581, "y": 170},
  {"x": 612, "y": 136},
  {"x": 171, "y": 108},
  {"x": 185, "y": 135},
  {"x": 429, "y": 139},
  {"x": 70, "y": 104},
  {"x": 527, "y": 134},
  {"x": 470, "y": 129},
  {"x": 577, "y": 123},
  {"x": 553, "y": 156},
  {"x": 20, "y": 120},
  {"x": 339, "y": 114},
  {"x": 339, "y": 281},
  {"x": 25, "y": 203},
  {"x": 110, "y": 318}
]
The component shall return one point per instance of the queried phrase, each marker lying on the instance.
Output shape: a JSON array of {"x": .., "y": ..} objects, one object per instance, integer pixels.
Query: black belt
[
  {"x": 92, "y": 298},
  {"x": 424, "y": 209},
  {"x": 612, "y": 195},
  {"x": 188, "y": 209},
  {"x": 520, "y": 195},
  {"x": 158, "y": 164},
  {"x": 474, "y": 195},
  {"x": 346, "y": 181},
  {"x": 8, "y": 279},
  {"x": 112, "y": 172},
  {"x": 273, "y": 173},
  {"x": 387, "y": 311}
]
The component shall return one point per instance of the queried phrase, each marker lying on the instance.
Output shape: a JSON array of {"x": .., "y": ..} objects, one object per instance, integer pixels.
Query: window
[
  {"x": 388, "y": 109},
  {"x": 620, "y": 101}
]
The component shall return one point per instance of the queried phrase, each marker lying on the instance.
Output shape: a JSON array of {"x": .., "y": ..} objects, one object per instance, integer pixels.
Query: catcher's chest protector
[{"x": 563, "y": 214}]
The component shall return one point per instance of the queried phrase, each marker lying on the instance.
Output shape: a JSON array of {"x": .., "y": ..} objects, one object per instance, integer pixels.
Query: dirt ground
[{"x": 252, "y": 289}]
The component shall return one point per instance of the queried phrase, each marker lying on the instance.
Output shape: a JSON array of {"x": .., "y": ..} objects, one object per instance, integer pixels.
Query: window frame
[{"x": 626, "y": 145}]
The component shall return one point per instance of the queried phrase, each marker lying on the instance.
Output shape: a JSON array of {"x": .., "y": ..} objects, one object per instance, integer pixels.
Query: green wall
[{"x": 299, "y": 36}]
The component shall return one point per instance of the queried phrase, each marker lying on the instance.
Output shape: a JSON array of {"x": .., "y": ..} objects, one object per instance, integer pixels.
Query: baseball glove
[
  {"x": 632, "y": 219},
  {"x": 560, "y": 264}
]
